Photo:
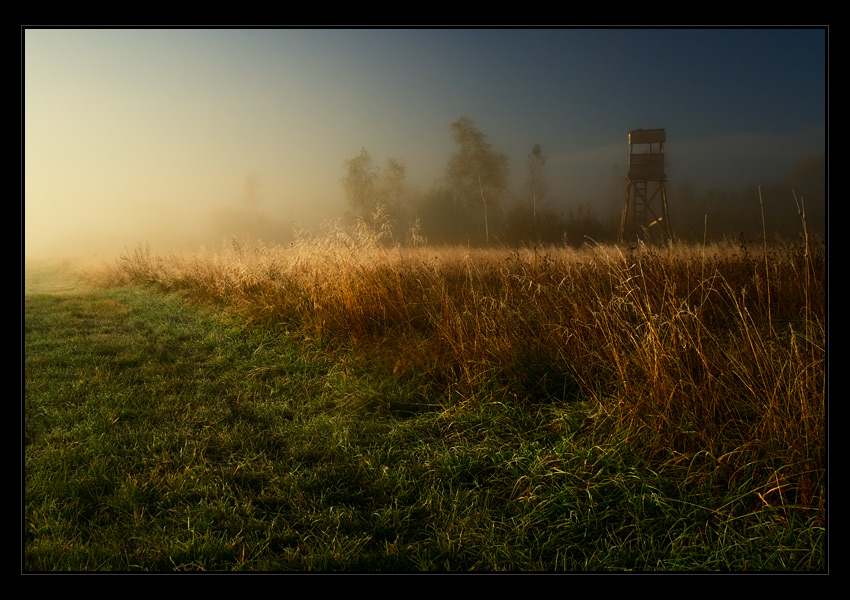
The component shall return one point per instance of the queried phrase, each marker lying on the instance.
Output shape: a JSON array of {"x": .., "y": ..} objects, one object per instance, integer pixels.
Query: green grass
[{"x": 160, "y": 436}]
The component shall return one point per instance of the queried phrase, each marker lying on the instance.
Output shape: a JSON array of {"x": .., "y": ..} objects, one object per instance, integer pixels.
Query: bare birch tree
[{"x": 476, "y": 172}]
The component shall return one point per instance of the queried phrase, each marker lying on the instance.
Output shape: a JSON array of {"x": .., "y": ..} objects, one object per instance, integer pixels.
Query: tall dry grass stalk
[{"x": 710, "y": 348}]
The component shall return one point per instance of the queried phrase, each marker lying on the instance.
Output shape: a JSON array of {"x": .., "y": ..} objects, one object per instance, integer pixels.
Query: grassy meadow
[{"x": 346, "y": 404}]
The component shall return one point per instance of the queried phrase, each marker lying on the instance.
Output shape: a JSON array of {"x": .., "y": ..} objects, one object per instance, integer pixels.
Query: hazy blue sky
[{"x": 134, "y": 135}]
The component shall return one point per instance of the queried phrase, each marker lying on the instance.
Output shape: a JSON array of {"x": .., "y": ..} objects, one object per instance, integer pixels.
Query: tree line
[{"x": 474, "y": 205}]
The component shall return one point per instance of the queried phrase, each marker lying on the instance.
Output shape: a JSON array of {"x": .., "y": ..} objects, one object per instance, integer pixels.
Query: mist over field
[
  {"x": 186, "y": 138},
  {"x": 366, "y": 300}
]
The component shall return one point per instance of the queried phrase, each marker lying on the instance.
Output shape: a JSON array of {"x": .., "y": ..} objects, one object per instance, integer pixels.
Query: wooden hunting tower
[{"x": 645, "y": 210}]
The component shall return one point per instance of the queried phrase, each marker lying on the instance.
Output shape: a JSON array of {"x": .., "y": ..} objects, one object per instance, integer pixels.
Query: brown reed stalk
[{"x": 766, "y": 268}]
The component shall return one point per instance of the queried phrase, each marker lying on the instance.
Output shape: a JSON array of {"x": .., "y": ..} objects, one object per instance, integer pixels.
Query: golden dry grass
[{"x": 717, "y": 348}]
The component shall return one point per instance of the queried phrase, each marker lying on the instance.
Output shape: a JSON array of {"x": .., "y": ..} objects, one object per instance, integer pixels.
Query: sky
[{"x": 184, "y": 137}]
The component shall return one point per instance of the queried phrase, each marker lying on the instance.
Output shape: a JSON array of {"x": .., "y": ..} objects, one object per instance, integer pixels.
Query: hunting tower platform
[{"x": 645, "y": 210}]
